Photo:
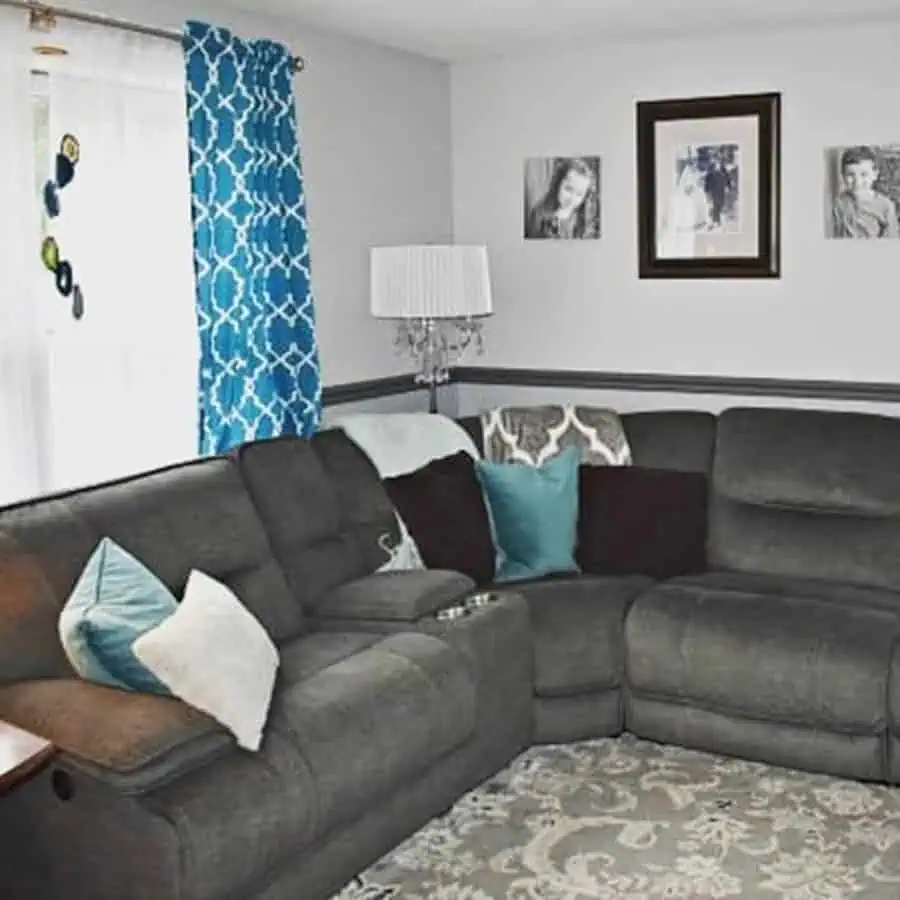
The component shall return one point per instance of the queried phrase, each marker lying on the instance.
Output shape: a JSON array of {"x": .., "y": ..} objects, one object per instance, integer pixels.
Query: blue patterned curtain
[{"x": 259, "y": 366}]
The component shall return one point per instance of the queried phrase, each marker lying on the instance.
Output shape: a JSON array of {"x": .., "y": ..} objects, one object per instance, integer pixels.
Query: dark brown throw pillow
[
  {"x": 633, "y": 520},
  {"x": 443, "y": 508}
]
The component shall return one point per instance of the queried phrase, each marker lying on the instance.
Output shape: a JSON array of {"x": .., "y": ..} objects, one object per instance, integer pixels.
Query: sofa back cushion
[
  {"x": 680, "y": 440},
  {"x": 324, "y": 507},
  {"x": 807, "y": 493},
  {"x": 197, "y": 515}
]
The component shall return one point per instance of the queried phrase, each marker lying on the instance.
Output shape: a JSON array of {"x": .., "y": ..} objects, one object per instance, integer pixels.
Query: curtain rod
[{"x": 107, "y": 22}]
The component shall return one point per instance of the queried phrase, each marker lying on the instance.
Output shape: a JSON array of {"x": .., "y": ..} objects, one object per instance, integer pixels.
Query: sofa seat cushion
[
  {"x": 578, "y": 624},
  {"x": 374, "y": 720},
  {"x": 766, "y": 649},
  {"x": 307, "y": 656}
]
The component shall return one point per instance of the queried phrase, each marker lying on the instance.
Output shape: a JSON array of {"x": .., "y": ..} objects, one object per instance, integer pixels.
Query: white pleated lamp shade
[{"x": 430, "y": 282}]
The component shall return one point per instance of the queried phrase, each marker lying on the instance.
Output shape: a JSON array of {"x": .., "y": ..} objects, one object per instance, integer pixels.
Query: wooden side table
[{"x": 22, "y": 754}]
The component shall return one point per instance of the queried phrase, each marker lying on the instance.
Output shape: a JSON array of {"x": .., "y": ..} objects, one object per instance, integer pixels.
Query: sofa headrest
[{"x": 837, "y": 462}]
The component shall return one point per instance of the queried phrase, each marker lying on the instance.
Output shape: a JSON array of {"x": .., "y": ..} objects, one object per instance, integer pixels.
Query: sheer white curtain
[
  {"x": 122, "y": 381},
  {"x": 114, "y": 393},
  {"x": 22, "y": 466}
]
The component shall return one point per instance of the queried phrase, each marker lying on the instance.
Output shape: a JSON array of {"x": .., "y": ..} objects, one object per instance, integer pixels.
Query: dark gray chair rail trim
[
  {"x": 872, "y": 391},
  {"x": 369, "y": 390}
]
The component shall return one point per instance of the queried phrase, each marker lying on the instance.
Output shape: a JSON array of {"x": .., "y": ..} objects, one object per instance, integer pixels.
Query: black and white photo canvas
[
  {"x": 562, "y": 198},
  {"x": 862, "y": 191}
]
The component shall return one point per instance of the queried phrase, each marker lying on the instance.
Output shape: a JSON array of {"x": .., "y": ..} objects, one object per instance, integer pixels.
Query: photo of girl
[{"x": 562, "y": 198}]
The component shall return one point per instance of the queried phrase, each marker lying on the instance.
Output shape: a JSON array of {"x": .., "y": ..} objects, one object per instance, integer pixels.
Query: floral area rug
[{"x": 626, "y": 819}]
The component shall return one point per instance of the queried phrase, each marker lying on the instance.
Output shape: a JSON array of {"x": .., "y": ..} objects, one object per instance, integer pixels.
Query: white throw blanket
[{"x": 400, "y": 443}]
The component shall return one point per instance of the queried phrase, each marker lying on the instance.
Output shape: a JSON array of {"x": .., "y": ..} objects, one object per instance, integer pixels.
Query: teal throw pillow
[
  {"x": 115, "y": 601},
  {"x": 534, "y": 515}
]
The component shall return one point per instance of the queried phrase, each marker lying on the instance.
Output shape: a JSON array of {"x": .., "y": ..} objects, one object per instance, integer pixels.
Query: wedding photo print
[
  {"x": 707, "y": 192},
  {"x": 862, "y": 191},
  {"x": 562, "y": 198}
]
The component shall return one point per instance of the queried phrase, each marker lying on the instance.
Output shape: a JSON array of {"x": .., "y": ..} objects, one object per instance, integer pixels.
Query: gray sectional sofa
[{"x": 386, "y": 709}]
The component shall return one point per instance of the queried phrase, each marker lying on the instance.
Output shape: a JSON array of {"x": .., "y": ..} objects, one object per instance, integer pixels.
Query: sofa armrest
[
  {"x": 131, "y": 741},
  {"x": 394, "y": 596}
]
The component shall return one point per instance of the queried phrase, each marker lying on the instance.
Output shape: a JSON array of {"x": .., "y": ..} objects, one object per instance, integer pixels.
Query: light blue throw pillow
[
  {"x": 116, "y": 600},
  {"x": 534, "y": 515}
]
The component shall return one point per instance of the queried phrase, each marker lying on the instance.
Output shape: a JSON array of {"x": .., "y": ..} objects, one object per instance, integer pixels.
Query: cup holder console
[
  {"x": 467, "y": 607},
  {"x": 451, "y": 613},
  {"x": 477, "y": 601}
]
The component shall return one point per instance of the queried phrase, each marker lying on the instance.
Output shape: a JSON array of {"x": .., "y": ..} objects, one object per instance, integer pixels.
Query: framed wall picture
[{"x": 709, "y": 187}]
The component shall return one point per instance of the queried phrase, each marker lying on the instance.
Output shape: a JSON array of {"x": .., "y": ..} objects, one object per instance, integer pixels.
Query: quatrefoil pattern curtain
[{"x": 259, "y": 365}]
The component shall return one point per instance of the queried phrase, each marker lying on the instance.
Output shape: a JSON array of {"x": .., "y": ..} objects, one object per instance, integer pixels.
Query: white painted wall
[
  {"x": 375, "y": 126},
  {"x": 835, "y": 313}
]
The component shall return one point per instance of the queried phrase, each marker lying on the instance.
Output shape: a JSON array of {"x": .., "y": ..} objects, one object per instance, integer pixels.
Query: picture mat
[{"x": 671, "y": 137}]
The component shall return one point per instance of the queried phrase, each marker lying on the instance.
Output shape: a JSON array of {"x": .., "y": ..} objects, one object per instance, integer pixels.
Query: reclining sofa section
[
  {"x": 382, "y": 717},
  {"x": 784, "y": 651}
]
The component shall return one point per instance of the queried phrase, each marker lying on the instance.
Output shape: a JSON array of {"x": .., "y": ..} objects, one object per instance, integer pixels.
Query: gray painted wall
[
  {"x": 474, "y": 398},
  {"x": 579, "y": 305}
]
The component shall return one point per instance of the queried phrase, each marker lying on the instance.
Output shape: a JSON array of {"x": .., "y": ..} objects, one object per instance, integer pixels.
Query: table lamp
[{"x": 439, "y": 295}]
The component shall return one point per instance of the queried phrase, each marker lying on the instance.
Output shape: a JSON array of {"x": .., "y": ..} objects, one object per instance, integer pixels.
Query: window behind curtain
[{"x": 117, "y": 390}]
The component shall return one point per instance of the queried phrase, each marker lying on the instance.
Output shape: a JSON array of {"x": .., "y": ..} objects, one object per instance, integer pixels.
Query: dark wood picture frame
[{"x": 767, "y": 262}]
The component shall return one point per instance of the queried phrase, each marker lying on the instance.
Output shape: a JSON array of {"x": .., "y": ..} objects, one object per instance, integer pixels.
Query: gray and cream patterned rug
[{"x": 626, "y": 819}]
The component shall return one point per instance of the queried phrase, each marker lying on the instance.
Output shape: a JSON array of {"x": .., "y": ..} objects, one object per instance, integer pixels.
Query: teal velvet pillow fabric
[
  {"x": 116, "y": 600},
  {"x": 534, "y": 515}
]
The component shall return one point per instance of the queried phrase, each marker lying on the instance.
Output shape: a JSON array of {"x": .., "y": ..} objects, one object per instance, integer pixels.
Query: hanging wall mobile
[{"x": 66, "y": 164}]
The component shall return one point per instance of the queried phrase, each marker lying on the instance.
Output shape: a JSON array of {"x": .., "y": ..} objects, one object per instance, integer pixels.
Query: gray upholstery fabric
[
  {"x": 130, "y": 741},
  {"x": 849, "y": 595},
  {"x": 809, "y": 494},
  {"x": 472, "y": 426},
  {"x": 560, "y": 720},
  {"x": 400, "y": 596},
  {"x": 893, "y": 702},
  {"x": 308, "y": 655},
  {"x": 196, "y": 515},
  {"x": 96, "y": 845},
  {"x": 578, "y": 625},
  {"x": 810, "y": 460},
  {"x": 496, "y": 641},
  {"x": 794, "y": 746},
  {"x": 682, "y": 440},
  {"x": 324, "y": 530},
  {"x": 893, "y": 766},
  {"x": 366, "y": 509},
  {"x": 768, "y": 657},
  {"x": 411, "y": 696},
  {"x": 236, "y": 818}
]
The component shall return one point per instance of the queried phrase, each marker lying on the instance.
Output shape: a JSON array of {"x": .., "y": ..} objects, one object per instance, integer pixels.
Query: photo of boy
[{"x": 864, "y": 189}]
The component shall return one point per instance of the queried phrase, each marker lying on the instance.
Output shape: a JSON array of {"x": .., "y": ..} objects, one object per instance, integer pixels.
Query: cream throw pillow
[{"x": 213, "y": 654}]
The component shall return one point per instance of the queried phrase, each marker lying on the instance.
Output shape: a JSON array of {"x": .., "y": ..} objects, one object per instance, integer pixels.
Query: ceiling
[{"x": 455, "y": 30}]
